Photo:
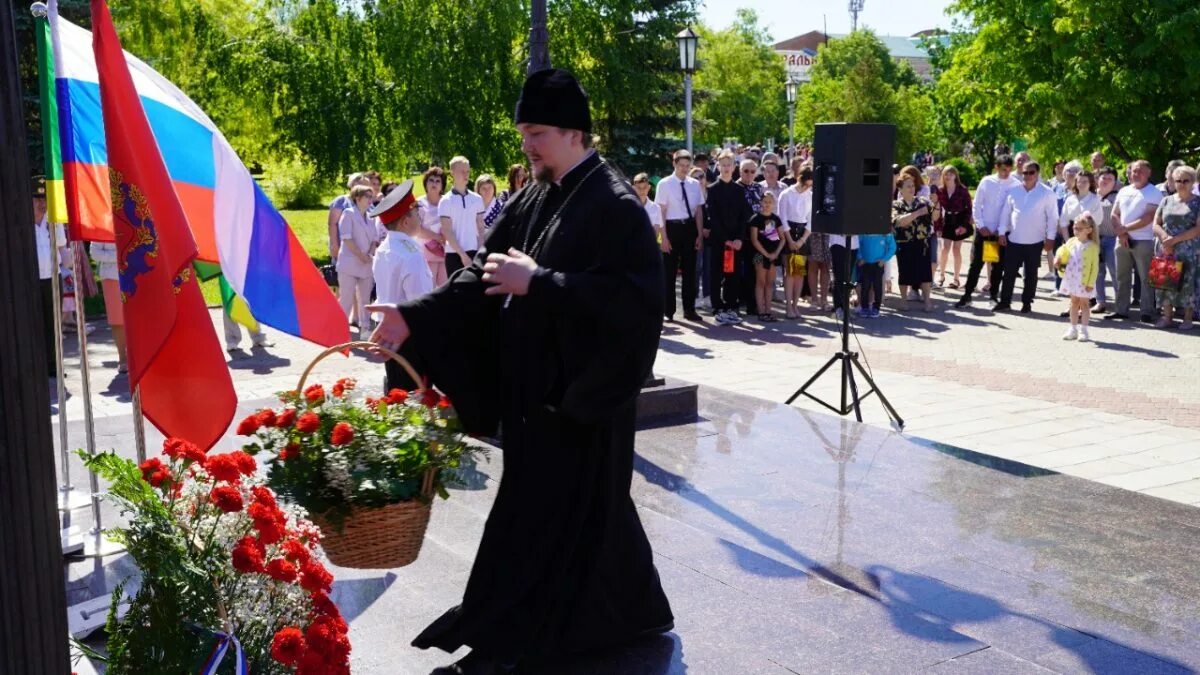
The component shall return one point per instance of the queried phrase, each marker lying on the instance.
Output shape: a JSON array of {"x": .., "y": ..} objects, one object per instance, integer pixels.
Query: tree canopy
[
  {"x": 855, "y": 79},
  {"x": 1072, "y": 77},
  {"x": 740, "y": 83}
]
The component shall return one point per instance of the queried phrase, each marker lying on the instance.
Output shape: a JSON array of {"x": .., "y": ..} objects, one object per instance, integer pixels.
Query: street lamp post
[
  {"x": 790, "y": 87},
  {"x": 688, "y": 41}
]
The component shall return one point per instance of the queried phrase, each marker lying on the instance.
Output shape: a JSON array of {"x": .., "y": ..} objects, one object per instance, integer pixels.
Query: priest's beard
[{"x": 545, "y": 174}]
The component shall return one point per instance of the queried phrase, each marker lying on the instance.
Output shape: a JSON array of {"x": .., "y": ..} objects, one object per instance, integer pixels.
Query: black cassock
[{"x": 564, "y": 565}]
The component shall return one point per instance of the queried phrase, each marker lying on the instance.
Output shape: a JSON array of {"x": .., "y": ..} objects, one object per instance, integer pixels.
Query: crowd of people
[
  {"x": 737, "y": 231},
  {"x": 453, "y": 222}
]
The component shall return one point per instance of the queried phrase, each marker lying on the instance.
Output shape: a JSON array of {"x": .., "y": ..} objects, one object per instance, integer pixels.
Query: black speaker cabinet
[{"x": 852, "y": 178}]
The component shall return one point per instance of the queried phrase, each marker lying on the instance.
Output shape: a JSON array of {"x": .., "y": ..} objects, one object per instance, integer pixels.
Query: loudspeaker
[{"x": 852, "y": 178}]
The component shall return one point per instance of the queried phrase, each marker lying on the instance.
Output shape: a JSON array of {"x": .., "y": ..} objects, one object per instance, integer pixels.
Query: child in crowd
[
  {"x": 874, "y": 252},
  {"x": 1078, "y": 262},
  {"x": 766, "y": 236}
]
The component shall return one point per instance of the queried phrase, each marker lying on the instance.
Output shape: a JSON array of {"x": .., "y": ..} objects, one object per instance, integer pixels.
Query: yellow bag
[
  {"x": 797, "y": 265},
  {"x": 991, "y": 251}
]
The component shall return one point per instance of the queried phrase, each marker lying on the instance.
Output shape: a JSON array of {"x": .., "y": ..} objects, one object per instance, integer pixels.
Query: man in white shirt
[
  {"x": 1028, "y": 225},
  {"x": 461, "y": 215},
  {"x": 989, "y": 201},
  {"x": 680, "y": 198},
  {"x": 1132, "y": 218},
  {"x": 399, "y": 268},
  {"x": 48, "y": 262}
]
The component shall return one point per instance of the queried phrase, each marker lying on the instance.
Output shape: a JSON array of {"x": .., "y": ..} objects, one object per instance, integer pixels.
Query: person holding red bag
[{"x": 729, "y": 215}]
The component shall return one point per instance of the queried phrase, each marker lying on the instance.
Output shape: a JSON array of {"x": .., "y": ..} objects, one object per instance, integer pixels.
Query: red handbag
[
  {"x": 1166, "y": 272},
  {"x": 727, "y": 264}
]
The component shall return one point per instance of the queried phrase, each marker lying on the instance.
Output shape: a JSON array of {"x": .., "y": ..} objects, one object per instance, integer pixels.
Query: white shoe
[
  {"x": 722, "y": 318},
  {"x": 1083, "y": 336},
  {"x": 734, "y": 318},
  {"x": 1071, "y": 334}
]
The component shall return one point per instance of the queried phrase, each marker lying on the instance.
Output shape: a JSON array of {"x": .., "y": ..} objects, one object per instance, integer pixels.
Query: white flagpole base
[
  {"x": 96, "y": 545},
  {"x": 90, "y": 615},
  {"x": 70, "y": 498},
  {"x": 72, "y": 540}
]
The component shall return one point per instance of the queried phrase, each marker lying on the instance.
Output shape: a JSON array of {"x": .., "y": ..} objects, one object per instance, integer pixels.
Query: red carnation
[
  {"x": 322, "y": 605},
  {"x": 373, "y": 404},
  {"x": 267, "y": 418},
  {"x": 286, "y": 418},
  {"x": 288, "y": 646},
  {"x": 308, "y": 423},
  {"x": 314, "y": 394},
  {"x": 289, "y": 451},
  {"x": 443, "y": 402},
  {"x": 227, "y": 498},
  {"x": 248, "y": 426},
  {"x": 429, "y": 398},
  {"x": 247, "y": 555},
  {"x": 296, "y": 551},
  {"x": 325, "y": 638},
  {"x": 265, "y": 496},
  {"x": 245, "y": 463},
  {"x": 281, "y": 570},
  {"x": 179, "y": 449},
  {"x": 397, "y": 396},
  {"x": 314, "y": 577},
  {"x": 151, "y": 467},
  {"x": 269, "y": 521},
  {"x": 342, "y": 434},
  {"x": 223, "y": 467}
]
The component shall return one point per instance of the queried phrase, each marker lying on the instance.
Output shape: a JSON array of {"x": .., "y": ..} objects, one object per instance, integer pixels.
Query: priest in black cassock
[{"x": 550, "y": 335}]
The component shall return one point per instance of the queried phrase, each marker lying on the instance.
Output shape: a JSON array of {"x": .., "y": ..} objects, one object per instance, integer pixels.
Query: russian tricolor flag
[{"x": 231, "y": 219}]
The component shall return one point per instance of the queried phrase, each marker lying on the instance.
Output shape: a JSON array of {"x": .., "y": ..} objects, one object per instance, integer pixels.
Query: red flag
[{"x": 174, "y": 354}]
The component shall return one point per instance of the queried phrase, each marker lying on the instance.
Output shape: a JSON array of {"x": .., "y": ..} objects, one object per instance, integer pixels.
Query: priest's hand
[
  {"x": 510, "y": 272},
  {"x": 392, "y": 330}
]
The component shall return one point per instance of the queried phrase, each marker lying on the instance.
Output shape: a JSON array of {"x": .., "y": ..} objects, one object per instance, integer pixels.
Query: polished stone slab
[{"x": 793, "y": 541}]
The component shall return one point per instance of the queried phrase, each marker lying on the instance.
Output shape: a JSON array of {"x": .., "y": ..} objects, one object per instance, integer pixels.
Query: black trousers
[
  {"x": 46, "y": 290},
  {"x": 682, "y": 236},
  {"x": 871, "y": 276},
  {"x": 1018, "y": 256},
  {"x": 748, "y": 282},
  {"x": 838, "y": 254},
  {"x": 724, "y": 289},
  {"x": 453, "y": 264},
  {"x": 976, "y": 267}
]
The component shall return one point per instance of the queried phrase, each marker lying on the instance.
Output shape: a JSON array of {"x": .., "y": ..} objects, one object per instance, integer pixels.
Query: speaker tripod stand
[{"x": 847, "y": 362}]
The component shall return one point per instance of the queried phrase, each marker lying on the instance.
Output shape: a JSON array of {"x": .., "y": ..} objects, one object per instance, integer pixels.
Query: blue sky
[{"x": 788, "y": 18}]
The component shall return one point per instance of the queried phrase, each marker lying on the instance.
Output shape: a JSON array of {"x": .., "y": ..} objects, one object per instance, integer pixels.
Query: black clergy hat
[{"x": 554, "y": 97}]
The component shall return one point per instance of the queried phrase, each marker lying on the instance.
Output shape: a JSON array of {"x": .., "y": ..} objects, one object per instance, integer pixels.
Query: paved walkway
[{"x": 1124, "y": 410}]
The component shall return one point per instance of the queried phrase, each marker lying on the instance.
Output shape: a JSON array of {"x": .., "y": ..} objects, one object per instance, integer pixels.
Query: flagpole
[
  {"x": 95, "y": 544},
  {"x": 139, "y": 426}
]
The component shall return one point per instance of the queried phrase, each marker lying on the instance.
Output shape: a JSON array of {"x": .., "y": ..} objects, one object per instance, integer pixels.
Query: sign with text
[{"x": 798, "y": 63}]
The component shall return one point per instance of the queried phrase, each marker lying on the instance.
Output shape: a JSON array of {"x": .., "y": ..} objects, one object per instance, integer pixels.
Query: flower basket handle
[{"x": 368, "y": 346}]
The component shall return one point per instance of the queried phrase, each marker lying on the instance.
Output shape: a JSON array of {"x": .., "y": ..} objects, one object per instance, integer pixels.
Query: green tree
[
  {"x": 1076, "y": 77},
  {"x": 741, "y": 80},
  {"x": 856, "y": 80},
  {"x": 624, "y": 53},
  {"x": 950, "y": 105}
]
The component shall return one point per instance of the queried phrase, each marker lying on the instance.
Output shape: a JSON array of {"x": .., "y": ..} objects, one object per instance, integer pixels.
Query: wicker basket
[{"x": 376, "y": 538}]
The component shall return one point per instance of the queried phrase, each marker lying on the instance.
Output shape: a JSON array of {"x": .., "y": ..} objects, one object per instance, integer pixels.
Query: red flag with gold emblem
[{"x": 174, "y": 354}]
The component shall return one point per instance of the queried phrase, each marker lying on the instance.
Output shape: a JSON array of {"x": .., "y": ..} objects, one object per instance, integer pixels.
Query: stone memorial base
[{"x": 798, "y": 542}]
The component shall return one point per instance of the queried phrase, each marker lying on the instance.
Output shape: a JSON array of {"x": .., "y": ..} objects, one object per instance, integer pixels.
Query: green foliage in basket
[{"x": 334, "y": 452}]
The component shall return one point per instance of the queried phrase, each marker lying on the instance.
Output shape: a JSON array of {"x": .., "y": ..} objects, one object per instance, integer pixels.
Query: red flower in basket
[
  {"x": 397, "y": 396},
  {"x": 314, "y": 394},
  {"x": 342, "y": 434},
  {"x": 286, "y": 418},
  {"x": 315, "y": 578},
  {"x": 248, "y": 426},
  {"x": 267, "y": 418},
  {"x": 430, "y": 398},
  {"x": 308, "y": 423},
  {"x": 155, "y": 472},
  {"x": 288, "y": 646},
  {"x": 223, "y": 468},
  {"x": 289, "y": 451},
  {"x": 344, "y": 385}
]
